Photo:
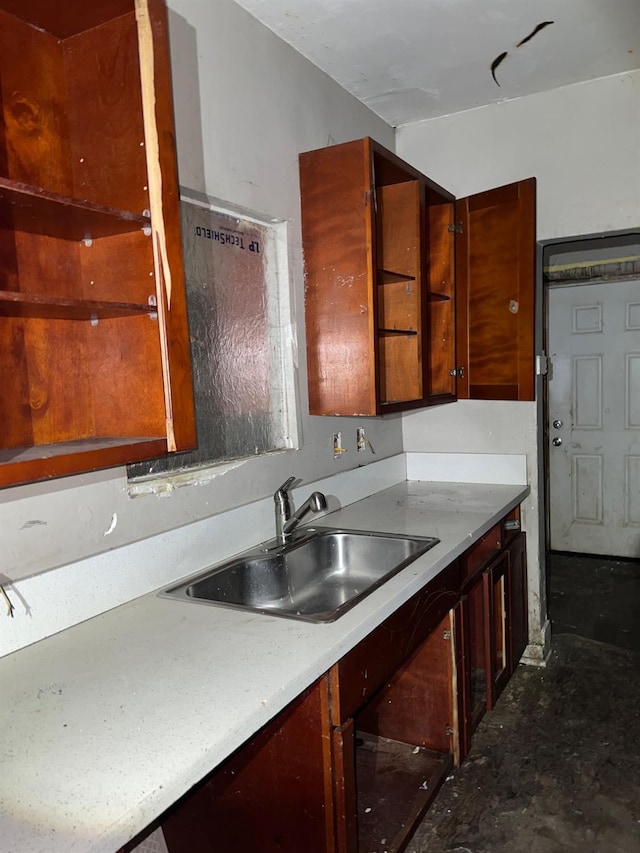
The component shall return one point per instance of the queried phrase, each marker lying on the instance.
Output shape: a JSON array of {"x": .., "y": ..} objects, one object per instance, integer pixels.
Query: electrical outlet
[{"x": 362, "y": 442}]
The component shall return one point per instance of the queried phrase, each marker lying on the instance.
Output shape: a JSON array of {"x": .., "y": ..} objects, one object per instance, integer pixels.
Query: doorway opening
[{"x": 590, "y": 422}]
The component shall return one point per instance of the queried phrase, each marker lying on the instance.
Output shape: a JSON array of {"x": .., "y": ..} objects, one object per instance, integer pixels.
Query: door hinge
[
  {"x": 457, "y": 371},
  {"x": 455, "y": 227}
]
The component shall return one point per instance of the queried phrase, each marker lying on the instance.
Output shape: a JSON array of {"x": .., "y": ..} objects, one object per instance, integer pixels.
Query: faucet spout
[
  {"x": 314, "y": 503},
  {"x": 286, "y": 520}
]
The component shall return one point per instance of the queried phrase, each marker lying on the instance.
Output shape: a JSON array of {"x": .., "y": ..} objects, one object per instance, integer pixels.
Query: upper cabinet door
[{"x": 495, "y": 267}]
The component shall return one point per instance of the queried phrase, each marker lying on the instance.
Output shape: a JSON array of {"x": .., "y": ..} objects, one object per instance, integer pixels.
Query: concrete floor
[
  {"x": 596, "y": 598},
  {"x": 555, "y": 768}
]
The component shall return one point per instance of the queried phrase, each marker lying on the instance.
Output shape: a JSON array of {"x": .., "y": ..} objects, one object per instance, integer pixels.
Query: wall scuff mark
[
  {"x": 523, "y": 41},
  {"x": 534, "y": 32},
  {"x": 495, "y": 64}
]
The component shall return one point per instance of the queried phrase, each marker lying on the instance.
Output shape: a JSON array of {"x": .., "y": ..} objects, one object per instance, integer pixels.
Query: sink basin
[{"x": 315, "y": 578}]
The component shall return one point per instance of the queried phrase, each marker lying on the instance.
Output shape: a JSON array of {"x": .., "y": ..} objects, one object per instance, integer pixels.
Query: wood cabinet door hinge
[{"x": 455, "y": 227}]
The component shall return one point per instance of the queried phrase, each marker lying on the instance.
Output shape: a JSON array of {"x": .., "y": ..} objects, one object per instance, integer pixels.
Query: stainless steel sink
[{"x": 316, "y": 577}]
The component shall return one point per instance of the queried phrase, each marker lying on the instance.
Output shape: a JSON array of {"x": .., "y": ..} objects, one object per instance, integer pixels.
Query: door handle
[
  {"x": 557, "y": 424},
  {"x": 557, "y": 441}
]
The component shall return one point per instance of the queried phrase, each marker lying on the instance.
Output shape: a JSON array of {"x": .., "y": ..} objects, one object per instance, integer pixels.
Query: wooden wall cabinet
[
  {"x": 366, "y": 237},
  {"x": 95, "y": 346},
  {"x": 412, "y": 298}
]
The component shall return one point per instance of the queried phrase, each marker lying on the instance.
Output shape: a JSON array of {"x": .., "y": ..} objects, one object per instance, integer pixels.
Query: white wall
[
  {"x": 246, "y": 104},
  {"x": 582, "y": 143},
  {"x": 488, "y": 427}
]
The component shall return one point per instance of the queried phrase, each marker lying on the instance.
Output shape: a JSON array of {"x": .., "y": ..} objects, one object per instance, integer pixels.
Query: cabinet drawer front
[
  {"x": 481, "y": 553},
  {"x": 511, "y": 526},
  {"x": 356, "y": 677}
]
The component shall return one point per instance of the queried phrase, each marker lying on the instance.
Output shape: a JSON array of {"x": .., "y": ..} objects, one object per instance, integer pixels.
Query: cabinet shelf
[
  {"x": 397, "y": 332},
  {"x": 438, "y": 297},
  {"x": 37, "y": 211},
  {"x": 390, "y": 277},
  {"x": 400, "y": 778},
  {"x": 16, "y": 304},
  {"x": 39, "y": 452},
  {"x": 43, "y": 461}
]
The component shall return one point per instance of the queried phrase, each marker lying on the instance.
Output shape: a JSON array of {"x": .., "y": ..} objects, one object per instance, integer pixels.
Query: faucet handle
[{"x": 284, "y": 487}]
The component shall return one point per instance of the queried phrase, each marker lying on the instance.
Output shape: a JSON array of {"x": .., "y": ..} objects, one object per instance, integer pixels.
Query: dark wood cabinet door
[
  {"x": 273, "y": 794},
  {"x": 498, "y": 650},
  {"x": 495, "y": 277},
  {"x": 476, "y": 673},
  {"x": 344, "y": 787},
  {"x": 518, "y": 604},
  {"x": 363, "y": 670}
]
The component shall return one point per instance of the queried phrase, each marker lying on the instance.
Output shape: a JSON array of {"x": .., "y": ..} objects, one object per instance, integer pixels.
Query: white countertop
[{"x": 106, "y": 724}]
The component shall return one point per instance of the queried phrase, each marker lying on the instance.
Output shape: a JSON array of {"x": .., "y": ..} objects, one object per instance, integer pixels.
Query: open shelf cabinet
[
  {"x": 367, "y": 236},
  {"x": 397, "y": 782},
  {"x": 413, "y": 298},
  {"x": 94, "y": 345}
]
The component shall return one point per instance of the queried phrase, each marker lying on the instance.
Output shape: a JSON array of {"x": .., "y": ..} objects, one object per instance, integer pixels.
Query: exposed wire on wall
[{"x": 10, "y": 607}]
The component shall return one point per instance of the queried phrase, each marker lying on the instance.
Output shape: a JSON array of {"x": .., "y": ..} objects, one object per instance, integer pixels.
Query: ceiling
[{"x": 410, "y": 60}]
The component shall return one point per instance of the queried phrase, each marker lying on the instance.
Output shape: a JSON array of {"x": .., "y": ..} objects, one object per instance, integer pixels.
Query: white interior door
[{"x": 594, "y": 418}]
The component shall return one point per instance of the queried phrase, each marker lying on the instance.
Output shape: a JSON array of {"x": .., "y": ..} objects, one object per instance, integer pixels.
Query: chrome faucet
[{"x": 286, "y": 520}]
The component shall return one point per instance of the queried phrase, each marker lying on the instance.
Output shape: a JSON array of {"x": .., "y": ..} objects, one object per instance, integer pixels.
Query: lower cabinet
[
  {"x": 494, "y": 617},
  {"x": 407, "y": 741},
  {"x": 273, "y": 794},
  {"x": 355, "y": 761}
]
